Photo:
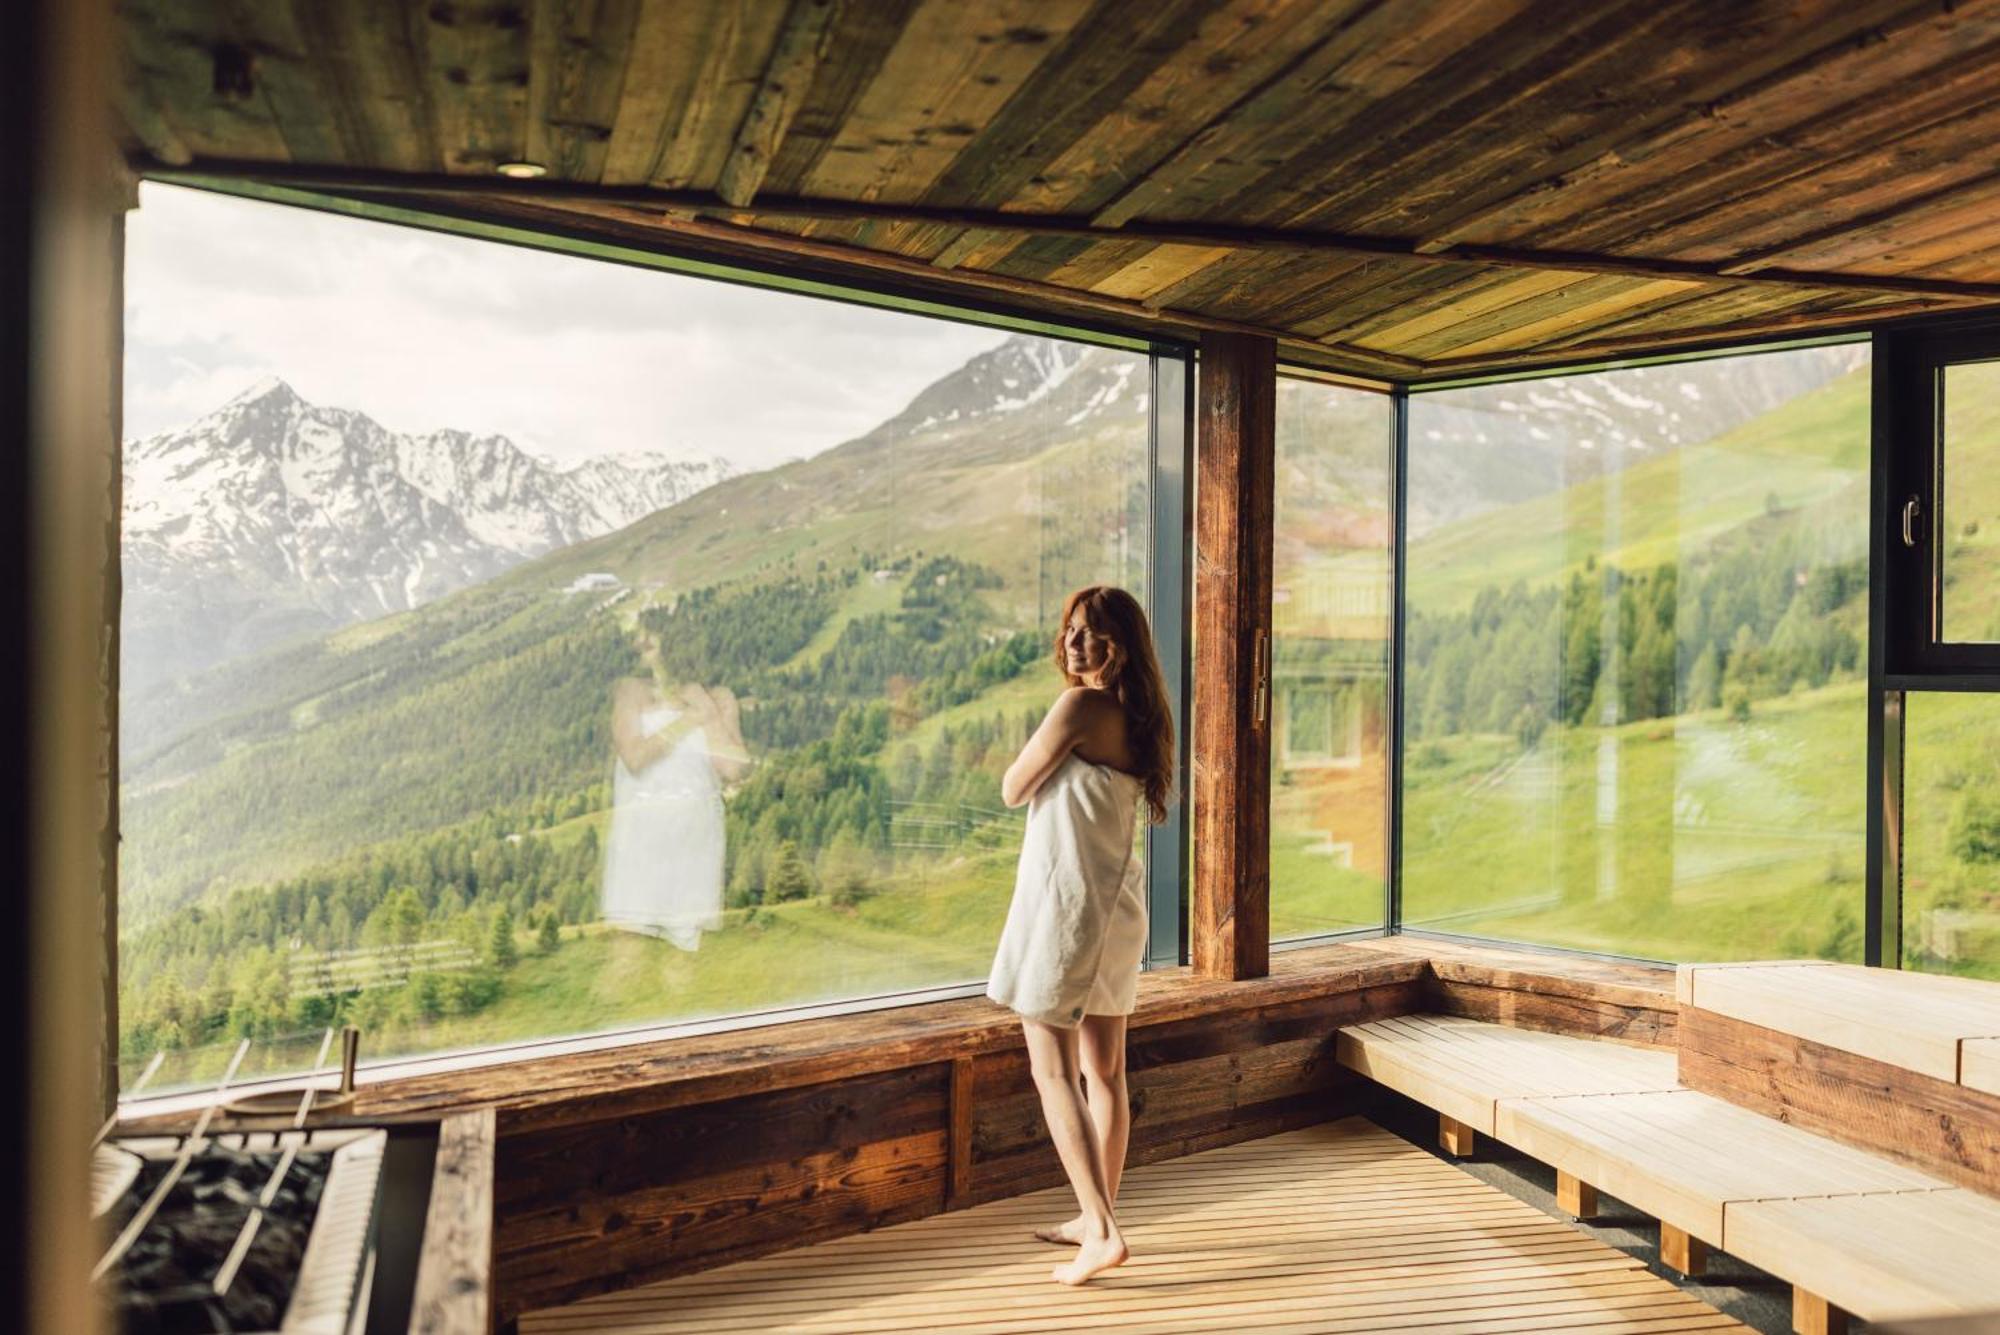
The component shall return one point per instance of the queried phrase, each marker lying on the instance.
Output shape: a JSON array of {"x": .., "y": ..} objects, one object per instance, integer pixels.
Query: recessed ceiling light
[{"x": 522, "y": 171}]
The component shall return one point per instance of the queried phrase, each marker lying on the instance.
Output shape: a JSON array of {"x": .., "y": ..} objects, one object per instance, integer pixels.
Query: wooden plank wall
[{"x": 606, "y": 1205}]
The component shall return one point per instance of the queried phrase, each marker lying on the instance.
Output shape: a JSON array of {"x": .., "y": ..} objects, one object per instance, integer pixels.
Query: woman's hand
[
  {"x": 721, "y": 720},
  {"x": 1060, "y": 731}
]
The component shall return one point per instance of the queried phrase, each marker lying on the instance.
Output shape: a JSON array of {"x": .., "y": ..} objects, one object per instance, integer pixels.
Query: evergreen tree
[
  {"x": 503, "y": 950},
  {"x": 1704, "y": 689},
  {"x": 550, "y": 935},
  {"x": 788, "y": 878}
]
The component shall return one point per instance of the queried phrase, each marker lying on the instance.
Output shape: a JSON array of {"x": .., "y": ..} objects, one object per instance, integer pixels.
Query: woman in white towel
[
  {"x": 675, "y": 744},
  {"x": 1069, "y": 955}
]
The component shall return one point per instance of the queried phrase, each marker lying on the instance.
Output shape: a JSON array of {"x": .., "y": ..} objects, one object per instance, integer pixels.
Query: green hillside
[
  {"x": 1809, "y": 458},
  {"x": 401, "y": 824}
]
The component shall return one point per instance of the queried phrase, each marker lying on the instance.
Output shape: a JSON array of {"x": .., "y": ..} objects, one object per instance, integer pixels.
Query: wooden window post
[{"x": 1236, "y": 393}]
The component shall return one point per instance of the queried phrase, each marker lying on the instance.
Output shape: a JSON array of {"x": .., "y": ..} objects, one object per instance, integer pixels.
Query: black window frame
[{"x": 1908, "y": 654}]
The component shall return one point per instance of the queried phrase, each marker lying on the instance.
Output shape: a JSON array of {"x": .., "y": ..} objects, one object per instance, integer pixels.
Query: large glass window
[
  {"x": 518, "y": 645},
  {"x": 1969, "y": 502},
  {"x": 1951, "y": 833},
  {"x": 1635, "y": 708},
  {"x": 1331, "y": 620}
]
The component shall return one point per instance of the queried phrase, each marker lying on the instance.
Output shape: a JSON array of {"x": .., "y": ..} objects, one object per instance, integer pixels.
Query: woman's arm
[
  {"x": 727, "y": 754},
  {"x": 1058, "y": 735},
  {"x": 628, "y": 701}
]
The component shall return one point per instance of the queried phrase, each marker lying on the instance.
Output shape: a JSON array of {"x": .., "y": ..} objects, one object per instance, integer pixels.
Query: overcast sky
[{"x": 568, "y": 357}]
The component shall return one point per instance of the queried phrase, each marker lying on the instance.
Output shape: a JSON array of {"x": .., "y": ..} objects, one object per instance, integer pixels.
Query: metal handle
[
  {"x": 1260, "y": 678},
  {"x": 1913, "y": 513}
]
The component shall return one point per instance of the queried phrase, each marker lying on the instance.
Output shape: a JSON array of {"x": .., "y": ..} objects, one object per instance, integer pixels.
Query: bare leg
[
  {"x": 1052, "y": 1054},
  {"x": 1102, "y": 1048}
]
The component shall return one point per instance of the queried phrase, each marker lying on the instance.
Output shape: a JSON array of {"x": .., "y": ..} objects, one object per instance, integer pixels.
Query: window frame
[
  {"x": 1907, "y": 655},
  {"x": 1914, "y": 459}
]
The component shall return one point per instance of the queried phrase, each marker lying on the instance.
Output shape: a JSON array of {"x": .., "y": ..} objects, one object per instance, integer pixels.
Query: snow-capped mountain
[
  {"x": 272, "y": 517},
  {"x": 1472, "y": 449},
  {"x": 1021, "y": 371}
]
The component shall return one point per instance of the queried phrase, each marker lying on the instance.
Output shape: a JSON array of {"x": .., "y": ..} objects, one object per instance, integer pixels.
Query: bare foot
[
  {"x": 1094, "y": 1256},
  {"x": 1063, "y": 1235}
]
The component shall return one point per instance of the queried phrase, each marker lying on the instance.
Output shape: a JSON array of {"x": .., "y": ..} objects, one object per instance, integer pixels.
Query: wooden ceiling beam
[
  {"x": 833, "y": 261},
  {"x": 801, "y": 47},
  {"x": 1670, "y": 341},
  {"x": 1000, "y": 221}
]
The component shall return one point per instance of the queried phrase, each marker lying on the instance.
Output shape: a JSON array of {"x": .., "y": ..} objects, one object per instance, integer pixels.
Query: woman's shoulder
[{"x": 1087, "y": 700}]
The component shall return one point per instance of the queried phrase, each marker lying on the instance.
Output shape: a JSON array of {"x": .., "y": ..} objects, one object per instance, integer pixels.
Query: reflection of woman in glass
[
  {"x": 676, "y": 746},
  {"x": 1068, "y": 960}
]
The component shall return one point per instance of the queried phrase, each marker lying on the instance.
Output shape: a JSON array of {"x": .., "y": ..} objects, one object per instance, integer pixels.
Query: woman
[
  {"x": 1069, "y": 955},
  {"x": 675, "y": 747}
]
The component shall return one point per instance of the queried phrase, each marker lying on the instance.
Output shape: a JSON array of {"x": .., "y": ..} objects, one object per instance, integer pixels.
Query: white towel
[{"x": 1077, "y": 926}]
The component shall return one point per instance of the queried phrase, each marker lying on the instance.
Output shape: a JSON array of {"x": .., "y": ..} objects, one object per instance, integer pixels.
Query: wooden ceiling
[{"x": 1397, "y": 188}]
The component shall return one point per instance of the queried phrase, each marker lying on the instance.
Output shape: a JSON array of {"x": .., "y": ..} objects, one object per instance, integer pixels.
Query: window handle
[
  {"x": 1913, "y": 516},
  {"x": 1260, "y": 673}
]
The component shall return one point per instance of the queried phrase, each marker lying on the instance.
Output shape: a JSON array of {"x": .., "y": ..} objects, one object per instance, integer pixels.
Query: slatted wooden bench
[
  {"x": 1463, "y": 1068},
  {"x": 1881, "y": 1257},
  {"x": 1606, "y": 1116}
]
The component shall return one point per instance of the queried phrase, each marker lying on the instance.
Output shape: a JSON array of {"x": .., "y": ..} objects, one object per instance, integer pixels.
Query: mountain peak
[
  {"x": 265, "y": 387},
  {"x": 1014, "y": 373}
]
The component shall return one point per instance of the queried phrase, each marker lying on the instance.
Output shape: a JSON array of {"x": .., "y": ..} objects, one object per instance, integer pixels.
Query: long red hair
[{"x": 1132, "y": 674}]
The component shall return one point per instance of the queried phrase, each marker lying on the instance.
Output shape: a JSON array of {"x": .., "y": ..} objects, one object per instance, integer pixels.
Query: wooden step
[
  {"x": 1880, "y": 1257},
  {"x": 1979, "y": 1065},
  {"x": 1899, "y": 1063},
  {"x": 1687, "y": 1159},
  {"x": 1918, "y": 1022},
  {"x": 1463, "y": 1067}
]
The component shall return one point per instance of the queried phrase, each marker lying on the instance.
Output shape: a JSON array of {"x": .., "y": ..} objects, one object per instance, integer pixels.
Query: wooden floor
[{"x": 1337, "y": 1227}]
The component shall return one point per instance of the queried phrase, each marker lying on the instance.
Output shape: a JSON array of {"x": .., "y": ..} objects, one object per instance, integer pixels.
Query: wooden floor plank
[{"x": 1340, "y": 1227}]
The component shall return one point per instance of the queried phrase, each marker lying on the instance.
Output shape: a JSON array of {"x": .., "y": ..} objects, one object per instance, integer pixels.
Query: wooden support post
[
  {"x": 1814, "y": 1315},
  {"x": 1575, "y": 1197},
  {"x": 1456, "y": 1137},
  {"x": 1683, "y": 1254},
  {"x": 958, "y": 1140},
  {"x": 1230, "y": 914},
  {"x": 454, "y": 1285}
]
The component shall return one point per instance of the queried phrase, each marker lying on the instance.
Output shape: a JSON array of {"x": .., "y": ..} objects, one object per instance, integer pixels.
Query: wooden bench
[
  {"x": 1903, "y": 1064},
  {"x": 1883, "y": 1257},
  {"x": 1610, "y": 1117},
  {"x": 1463, "y": 1068},
  {"x": 1913, "y": 1021}
]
